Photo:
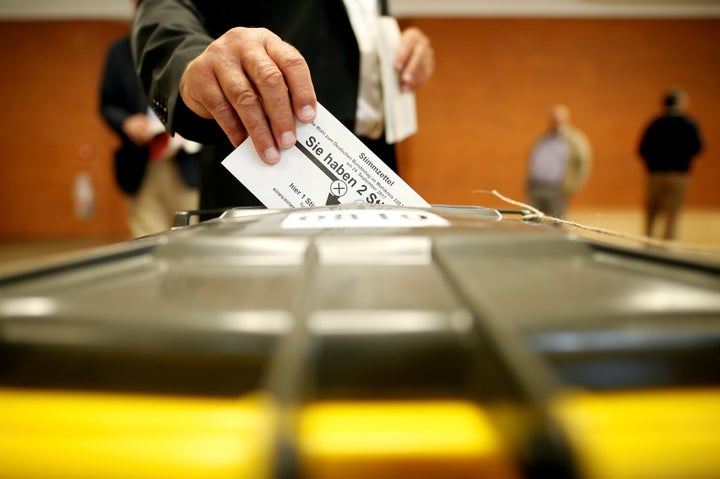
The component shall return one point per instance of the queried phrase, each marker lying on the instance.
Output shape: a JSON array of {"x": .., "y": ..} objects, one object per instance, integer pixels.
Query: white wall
[
  {"x": 64, "y": 9},
  {"x": 110, "y": 9},
  {"x": 557, "y": 8}
]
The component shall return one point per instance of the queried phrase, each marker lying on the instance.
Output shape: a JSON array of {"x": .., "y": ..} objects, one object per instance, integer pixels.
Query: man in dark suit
[
  {"x": 158, "y": 174},
  {"x": 217, "y": 69}
]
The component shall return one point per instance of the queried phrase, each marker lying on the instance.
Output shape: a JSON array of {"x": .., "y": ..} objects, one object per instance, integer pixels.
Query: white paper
[
  {"x": 400, "y": 110},
  {"x": 327, "y": 166},
  {"x": 155, "y": 127}
]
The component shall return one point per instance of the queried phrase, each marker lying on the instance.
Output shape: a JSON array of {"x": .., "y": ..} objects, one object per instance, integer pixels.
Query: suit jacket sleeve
[{"x": 166, "y": 36}]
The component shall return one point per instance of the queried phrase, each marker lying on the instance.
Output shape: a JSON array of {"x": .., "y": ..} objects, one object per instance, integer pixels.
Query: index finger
[{"x": 297, "y": 78}]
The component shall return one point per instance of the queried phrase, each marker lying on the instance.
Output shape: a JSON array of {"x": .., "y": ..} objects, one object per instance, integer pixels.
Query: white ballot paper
[{"x": 328, "y": 165}]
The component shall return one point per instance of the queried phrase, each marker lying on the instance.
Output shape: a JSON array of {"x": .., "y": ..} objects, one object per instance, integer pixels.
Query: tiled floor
[{"x": 699, "y": 236}]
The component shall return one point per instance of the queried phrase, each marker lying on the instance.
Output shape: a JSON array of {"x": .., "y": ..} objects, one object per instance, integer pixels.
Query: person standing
[
  {"x": 158, "y": 173},
  {"x": 559, "y": 164},
  {"x": 219, "y": 72},
  {"x": 668, "y": 146}
]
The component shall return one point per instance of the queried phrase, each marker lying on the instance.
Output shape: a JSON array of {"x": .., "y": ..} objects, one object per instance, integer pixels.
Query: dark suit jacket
[
  {"x": 121, "y": 95},
  {"x": 319, "y": 29}
]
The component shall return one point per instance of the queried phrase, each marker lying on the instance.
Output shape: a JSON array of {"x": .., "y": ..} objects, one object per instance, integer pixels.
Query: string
[{"x": 535, "y": 214}]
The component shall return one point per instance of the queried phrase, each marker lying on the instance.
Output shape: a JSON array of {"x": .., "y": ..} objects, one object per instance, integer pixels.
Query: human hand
[
  {"x": 253, "y": 84},
  {"x": 137, "y": 128},
  {"x": 415, "y": 59}
]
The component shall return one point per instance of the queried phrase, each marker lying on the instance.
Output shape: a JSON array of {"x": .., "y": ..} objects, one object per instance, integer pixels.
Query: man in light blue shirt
[{"x": 559, "y": 165}]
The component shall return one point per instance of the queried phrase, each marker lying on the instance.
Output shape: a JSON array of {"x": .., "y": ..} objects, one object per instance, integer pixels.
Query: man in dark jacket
[
  {"x": 668, "y": 146},
  {"x": 219, "y": 71},
  {"x": 158, "y": 174}
]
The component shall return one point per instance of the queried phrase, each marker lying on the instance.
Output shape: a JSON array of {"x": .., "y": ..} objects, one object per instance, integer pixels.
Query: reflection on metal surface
[
  {"x": 262, "y": 323},
  {"x": 27, "y": 307},
  {"x": 369, "y": 250},
  {"x": 386, "y": 322}
]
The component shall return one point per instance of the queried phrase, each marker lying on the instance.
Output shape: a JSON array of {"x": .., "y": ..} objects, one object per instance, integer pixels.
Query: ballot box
[{"x": 361, "y": 341}]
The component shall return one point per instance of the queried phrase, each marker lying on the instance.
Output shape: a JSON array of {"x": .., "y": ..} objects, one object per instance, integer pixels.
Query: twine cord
[{"x": 537, "y": 215}]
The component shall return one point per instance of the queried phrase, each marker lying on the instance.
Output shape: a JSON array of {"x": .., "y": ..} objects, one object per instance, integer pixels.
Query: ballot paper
[{"x": 328, "y": 165}]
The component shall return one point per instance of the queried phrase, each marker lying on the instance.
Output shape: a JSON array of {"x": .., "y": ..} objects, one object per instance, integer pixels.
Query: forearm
[{"x": 166, "y": 36}]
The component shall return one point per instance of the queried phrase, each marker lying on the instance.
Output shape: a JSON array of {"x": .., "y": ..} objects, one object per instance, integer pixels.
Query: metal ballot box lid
[{"x": 362, "y": 341}]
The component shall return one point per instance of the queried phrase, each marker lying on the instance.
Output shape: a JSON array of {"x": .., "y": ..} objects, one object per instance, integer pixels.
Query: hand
[
  {"x": 137, "y": 128},
  {"x": 252, "y": 83},
  {"x": 415, "y": 59}
]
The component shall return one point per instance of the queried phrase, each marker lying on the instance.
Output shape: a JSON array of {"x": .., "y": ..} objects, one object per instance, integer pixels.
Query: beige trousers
[
  {"x": 161, "y": 194},
  {"x": 665, "y": 197}
]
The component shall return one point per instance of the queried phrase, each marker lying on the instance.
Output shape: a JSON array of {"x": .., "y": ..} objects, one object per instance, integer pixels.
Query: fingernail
[
  {"x": 398, "y": 66},
  {"x": 307, "y": 113},
  {"x": 272, "y": 155},
  {"x": 287, "y": 140}
]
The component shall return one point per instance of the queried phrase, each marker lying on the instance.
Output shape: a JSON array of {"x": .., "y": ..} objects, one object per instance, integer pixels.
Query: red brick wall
[
  {"x": 51, "y": 129},
  {"x": 497, "y": 78},
  {"x": 495, "y": 81}
]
